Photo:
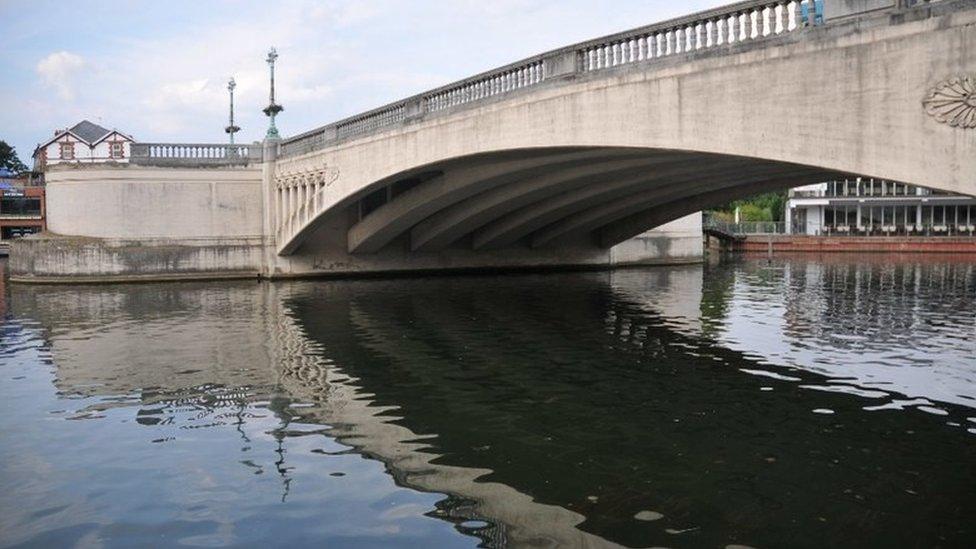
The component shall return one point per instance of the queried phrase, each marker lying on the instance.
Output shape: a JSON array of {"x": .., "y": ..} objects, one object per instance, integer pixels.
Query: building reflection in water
[{"x": 554, "y": 409}]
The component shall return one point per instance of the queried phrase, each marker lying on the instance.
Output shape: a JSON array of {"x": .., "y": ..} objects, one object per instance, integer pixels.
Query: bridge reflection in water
[{"x": 754, "y": 404}]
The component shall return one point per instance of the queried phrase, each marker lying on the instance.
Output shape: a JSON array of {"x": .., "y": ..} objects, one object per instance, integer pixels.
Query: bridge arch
[{"x": 575, "y": 149}]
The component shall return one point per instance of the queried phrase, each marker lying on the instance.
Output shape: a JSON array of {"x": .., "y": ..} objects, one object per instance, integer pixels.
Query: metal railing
[
  {"x": 194, "y": 154},
  {"x": 720, "y": 29},
  {"x": 746, "y": 228}
]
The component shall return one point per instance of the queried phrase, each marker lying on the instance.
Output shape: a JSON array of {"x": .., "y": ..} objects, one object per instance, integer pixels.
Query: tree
[
  {"x": 762, "y": 207},
  {"x": 9, "y": 160}
]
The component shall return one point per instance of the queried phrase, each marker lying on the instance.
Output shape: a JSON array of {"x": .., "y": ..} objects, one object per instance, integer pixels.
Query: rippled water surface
[{"x": 805, "y": 402}]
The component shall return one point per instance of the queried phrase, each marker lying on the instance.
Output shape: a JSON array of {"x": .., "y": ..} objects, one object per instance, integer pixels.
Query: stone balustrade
[
  {"x": 724, "y": 27},
  {"x": 194, "y": 154}
]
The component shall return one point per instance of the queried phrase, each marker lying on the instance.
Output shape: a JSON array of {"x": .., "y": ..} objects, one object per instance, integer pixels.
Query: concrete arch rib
[
  {"x": 389, "y": 221},
  {"x": 455, "y": 222},
  {"x": 620, "y": 230},
  {"x": 668, "y": 192},
  {"x": 511, "y": 228}
]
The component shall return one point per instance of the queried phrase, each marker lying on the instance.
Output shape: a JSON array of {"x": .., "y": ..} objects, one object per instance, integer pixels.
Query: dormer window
[
  {"x": 67, "y": 151},
  {"x": 116, "y": 150}
]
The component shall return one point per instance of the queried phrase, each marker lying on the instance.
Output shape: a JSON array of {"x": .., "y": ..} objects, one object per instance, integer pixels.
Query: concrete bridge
[{"x": 564, "y": 158}]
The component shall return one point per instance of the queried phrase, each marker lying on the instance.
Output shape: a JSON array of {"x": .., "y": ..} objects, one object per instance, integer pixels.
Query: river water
[{"x": 801, "y": 402}]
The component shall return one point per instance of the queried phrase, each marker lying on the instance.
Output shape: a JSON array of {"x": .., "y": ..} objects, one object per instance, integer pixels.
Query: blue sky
[{"x": 158, "y": 70}]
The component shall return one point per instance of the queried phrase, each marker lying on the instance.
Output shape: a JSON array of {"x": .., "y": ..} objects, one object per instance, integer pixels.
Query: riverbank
[
  {"x": 854, "y": 244},
  {"x": 50, "y": 258}
]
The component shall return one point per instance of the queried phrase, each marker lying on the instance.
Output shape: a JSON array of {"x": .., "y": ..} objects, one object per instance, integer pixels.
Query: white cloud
[{"x": 58, "y": 70}]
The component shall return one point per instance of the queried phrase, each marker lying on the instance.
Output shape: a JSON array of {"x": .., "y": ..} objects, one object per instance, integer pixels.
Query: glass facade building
[{"x": 867, "y": 207}]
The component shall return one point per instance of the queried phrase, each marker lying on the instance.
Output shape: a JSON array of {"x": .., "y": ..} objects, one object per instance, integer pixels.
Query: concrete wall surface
[
  {"x": 43, "y": 259},
  {"x": 675, "y": 242},
  {"x": 128, "y": 201}
]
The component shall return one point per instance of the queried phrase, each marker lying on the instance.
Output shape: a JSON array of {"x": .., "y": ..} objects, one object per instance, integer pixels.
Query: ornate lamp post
[
  {"x": 231, "y": 129},
  {"x": 273, "y": 108}
]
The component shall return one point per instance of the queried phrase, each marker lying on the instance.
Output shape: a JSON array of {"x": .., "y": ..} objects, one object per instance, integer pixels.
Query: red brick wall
[{"x": 828, "y": 244}]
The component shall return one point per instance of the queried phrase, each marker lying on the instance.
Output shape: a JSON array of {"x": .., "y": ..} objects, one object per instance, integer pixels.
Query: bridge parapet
[
  {"x": 716, "y": 29},
  {"x": 188, "y": 155}
]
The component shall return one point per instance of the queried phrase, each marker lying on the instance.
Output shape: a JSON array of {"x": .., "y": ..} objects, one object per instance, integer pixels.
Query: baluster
[
  {"x": 670, "y": 39},
  {"x": 747, "y": 25},
  {"x": 710, "y": 32},
  {"x": 795, "y": 17},
  {"x": 778, "y": 11},
  {"x": 679, "y": 41},
  {"x": 634, "y": 54}
]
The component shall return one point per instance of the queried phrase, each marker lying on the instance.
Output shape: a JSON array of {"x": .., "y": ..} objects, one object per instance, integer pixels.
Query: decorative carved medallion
[{"x": 953, "y": 102}]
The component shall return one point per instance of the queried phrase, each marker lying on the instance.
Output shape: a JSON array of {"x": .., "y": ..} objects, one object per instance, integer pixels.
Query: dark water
[{"x": 800, "y": 403}]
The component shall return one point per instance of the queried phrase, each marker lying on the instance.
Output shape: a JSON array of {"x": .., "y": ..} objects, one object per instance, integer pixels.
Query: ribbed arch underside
[{"x": 555, "y": 197}]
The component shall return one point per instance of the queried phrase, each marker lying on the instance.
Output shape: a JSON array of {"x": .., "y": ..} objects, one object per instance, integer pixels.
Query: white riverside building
[
  {"x": 875, "y": 207},
  {"x": 83, "y": 143}
]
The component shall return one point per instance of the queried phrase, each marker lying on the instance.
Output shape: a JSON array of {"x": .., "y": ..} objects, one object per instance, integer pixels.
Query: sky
[{"x": 158, "y": 70}]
